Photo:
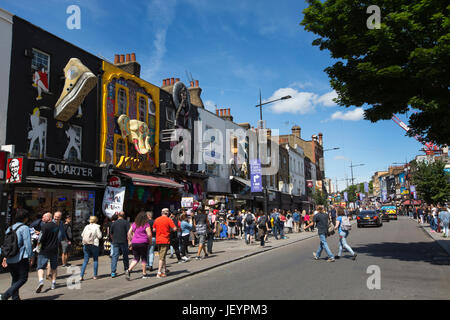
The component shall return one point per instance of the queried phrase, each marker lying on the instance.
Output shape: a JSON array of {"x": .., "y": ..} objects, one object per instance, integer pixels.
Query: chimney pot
[
  {"x": 221, "y": 112},
  {"x": 196, "y": 83},
  {"x": 122, "y": 58},
  {"x": 133, "y": 57},
  {"x": 229, "y": 113},
  {"x": 164, "y": 82},
  {"x": 172, "y": 81},
  {"x": 116, "y": 59},
  {"x": 192, "y": 84},
  {"x": 177, "y": 80},
  {"x": 128, "y": 58}
]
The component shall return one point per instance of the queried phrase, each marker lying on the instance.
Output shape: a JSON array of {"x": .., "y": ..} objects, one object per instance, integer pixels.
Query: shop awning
[
  {"x": 151, "y": 181},
  {"x": 64, "y": 182},
  {"x": 242, "y": 181}
]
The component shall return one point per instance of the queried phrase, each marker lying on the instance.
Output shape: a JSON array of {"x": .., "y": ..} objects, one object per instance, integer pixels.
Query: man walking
[
  {"x": 321, "y": 220},
  {"x": 119, "y": 242},
  {"x": 18, "y": 264},
  {"x": 162, "y": 226},
  {"x": 444, "y": 216},
  {"x": 48, "y": 252},
  {"x": 65, "y": 244},
  {"x": 263, "y": 227},
  {"x": 275, "y": 217},
  {"x": 201, "y": 225},
  {"x": 296, "y": 218},
  {"x": 333, "y": 215}
]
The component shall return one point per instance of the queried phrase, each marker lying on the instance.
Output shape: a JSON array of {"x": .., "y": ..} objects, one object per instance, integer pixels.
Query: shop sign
[
  {"x": 14, "y": 170},
  {"x": 187, "y": 202},
  {"x": 113, "y": 200},
  {"x": 45, "y": 168},
  {"x": 114, "y": 182}
]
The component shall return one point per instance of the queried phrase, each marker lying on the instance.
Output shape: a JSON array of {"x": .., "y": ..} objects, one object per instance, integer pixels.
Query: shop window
[
  {"x": 142, "y": 107},
  {"x": 121, "y": 100},
  {"x": 37, "y": 136},
  {"x": 40, "y": 64}
]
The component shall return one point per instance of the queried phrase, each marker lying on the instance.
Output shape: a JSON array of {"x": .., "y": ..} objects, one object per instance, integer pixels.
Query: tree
[
  {"x": 403, "y": 66},
  {"x": 320, "y": 198},
  {"x": 431, "y": 181},
  {"x": 351, "y": 193}
]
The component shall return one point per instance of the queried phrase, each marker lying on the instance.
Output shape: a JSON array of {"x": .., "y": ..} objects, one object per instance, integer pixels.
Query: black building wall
[{"x": 22, "y": 95}]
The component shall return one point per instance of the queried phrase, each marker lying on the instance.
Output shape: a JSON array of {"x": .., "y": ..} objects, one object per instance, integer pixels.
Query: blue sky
[{"x": 234, "y": 48}]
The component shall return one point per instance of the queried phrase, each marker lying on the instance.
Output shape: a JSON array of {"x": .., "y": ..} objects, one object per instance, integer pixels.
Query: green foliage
[
  {"x": 320, "y": 198},
  {"x": 403, "y": 66},
  {"x": 431, "y": 181},
  {"x": 351, "y": 193}
]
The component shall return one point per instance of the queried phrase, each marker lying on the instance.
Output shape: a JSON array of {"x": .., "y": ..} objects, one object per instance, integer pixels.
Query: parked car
[{"x": 369, "y": 218}]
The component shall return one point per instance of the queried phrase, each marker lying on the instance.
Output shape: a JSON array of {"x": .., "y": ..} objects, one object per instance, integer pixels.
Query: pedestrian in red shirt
[{"x": 162, "y": 226}]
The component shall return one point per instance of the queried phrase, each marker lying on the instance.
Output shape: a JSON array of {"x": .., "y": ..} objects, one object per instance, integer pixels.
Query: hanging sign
[
  {"x": 256, "y": 176},
  {"x": 187, "y": 202},
  {"x": 113, "y": 200}
]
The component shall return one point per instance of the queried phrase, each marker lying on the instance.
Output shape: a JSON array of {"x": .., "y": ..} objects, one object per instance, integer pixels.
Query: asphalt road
[{"x": 411, "y": 265}]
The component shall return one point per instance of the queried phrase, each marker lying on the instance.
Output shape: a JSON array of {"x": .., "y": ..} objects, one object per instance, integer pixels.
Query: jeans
[
  {"x": 434, "y": 223},
  {"x": 120, "y": 248},
  {"x": 445, "y": 229},
  {"x": 184, "y": 245},
  {"x": 151, "y": 253},
  {"x": 261, "y": 235},
  {"x": 343, "y": 243},
  {"x": 175, "y": 243},
  {"x": 111, "y": 252},
  {"x": 275, "y": 231},
  {"x": 324, "y": 245},
  {"x": 19, "y": 275},
  {"x": 210, "y": 241},
  {"x": 90, "y": 250}
]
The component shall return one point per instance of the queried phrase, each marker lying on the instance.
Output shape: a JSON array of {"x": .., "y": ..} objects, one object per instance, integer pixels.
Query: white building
[
  {"x": 6, "y": 24},
  {"x": 297, "y": 187}
]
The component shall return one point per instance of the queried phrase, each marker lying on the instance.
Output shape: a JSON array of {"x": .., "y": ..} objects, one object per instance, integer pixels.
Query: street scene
[{"x": 207, "y": 151}]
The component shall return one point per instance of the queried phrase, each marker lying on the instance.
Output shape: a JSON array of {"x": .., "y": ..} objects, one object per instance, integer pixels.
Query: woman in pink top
[{"x": 139, "y": 238}]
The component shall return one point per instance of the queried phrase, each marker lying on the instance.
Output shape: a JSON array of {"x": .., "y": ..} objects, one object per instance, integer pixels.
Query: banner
[
  {"x": 345, "y": 196},
  {"x": 187, "y": 202},
  {"x": 412, "y": 189},
  {"x": 384, "y": 196},
  {"x": 113, "y": 201},
  {"x": 255, "y": 176},
  {"x": 366, "y": 187}
]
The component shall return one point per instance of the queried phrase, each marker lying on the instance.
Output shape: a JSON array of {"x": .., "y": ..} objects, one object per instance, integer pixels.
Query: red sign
[
  {"x": 114, "y": 182},
  {"x": 2, "y": 164},
  {"x": 14, "y": 170},
  {"x": 309, "y": 183}
]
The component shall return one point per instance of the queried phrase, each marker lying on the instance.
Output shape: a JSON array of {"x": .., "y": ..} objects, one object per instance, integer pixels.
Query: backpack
[
  {"x": 345, "y": 224},
  {"x": 10, "y": 247},
  {"x": 88, "y": 235},
  {"x": 249, "y": 219},
  {"x": 262, "y": 221}
]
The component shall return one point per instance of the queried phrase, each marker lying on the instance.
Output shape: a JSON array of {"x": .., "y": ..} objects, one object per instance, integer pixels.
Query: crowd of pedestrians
[{"x": 437, "y": 216}]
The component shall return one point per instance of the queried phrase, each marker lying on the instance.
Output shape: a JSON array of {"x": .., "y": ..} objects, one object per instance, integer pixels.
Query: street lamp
[
  {"x": 331, "y": 149},
  {"x": 260, "y": 116},
  {"x": 352, "y": 166}
]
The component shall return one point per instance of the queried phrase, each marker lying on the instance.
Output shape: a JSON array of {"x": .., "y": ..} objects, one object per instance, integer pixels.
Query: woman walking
[
  {"x": 91, "y": 236},
  {"x": 139, "y": 238},
  {"x": 341, "y": 222},
  {"x": 186, "y": 228}
]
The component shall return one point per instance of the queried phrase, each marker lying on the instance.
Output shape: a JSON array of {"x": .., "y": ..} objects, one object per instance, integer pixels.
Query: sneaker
[
  {"x": 40, "y": 286},
  {"x": 161, "y": 275},
  {"x": 144, "y": 276},
  {"x": 53, "y": 287},
  {"x": 331, "y": 260},
  {"x": 354, "y": 256},
  {"x": 171, "y": 256},
  {"x": 79, "y": 82},
  {"x": 181, "y": 261},
  {"x": 113, "y": 275},
  {"x": 167, "y": 271},
  {"x": 198, "y": 258},
  {"x": 127, "y": 274},
  {"x": 185, "y": 258},
  {"x": 206, "y": 255},
  {"x": 315, "y": 256},
  {"x": 150, "y": 268}
]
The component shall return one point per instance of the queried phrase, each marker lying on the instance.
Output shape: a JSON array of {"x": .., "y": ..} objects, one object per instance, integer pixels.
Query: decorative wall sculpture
[{"x": 137, "y": 133}]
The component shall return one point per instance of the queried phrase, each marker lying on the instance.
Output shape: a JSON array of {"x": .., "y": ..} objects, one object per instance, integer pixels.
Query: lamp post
[
  {"x": 352, "y": 166},
  {"x": 260, "y": 117}
]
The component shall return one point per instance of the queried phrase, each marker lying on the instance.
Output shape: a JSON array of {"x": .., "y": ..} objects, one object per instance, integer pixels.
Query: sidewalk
[
  {"x": 437, "y": 236},
  {"x": 106, "y": 288}
]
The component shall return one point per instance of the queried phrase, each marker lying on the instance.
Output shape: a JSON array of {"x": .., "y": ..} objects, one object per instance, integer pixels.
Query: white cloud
[
  {"x": 352, "y": 115},
  {"x": 210, "y": 105},
  {"x": 301, "y": 102},
  {"x": 327, "y": 99}
]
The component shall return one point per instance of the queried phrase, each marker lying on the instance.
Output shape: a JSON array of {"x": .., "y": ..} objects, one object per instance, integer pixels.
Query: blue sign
[
  {"x": 346, "y": 196},
  {"x": 366, "y": 187},
  {"x": 256, "y": 175}
]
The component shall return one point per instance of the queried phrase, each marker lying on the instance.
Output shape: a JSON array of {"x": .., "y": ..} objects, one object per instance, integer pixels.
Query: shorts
[
  {"x": 65, "y": 246},
  {"x": 163, "y": 248},
  {"x": 140, "y": 252},
  {"x": 250, "y": 230},
  {"x": 43, "y": 261},
  {"x": 231, "y": 230},
  {"x": 202, "y": 238}
]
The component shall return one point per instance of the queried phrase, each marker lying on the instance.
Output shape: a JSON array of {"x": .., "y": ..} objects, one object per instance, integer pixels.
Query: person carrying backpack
[
  {"x": 249, "y": 222},
  {"x": 344, "y": 226},
  {"x": 16, "y": 252},
  {"x": 263, "y": 227},
  {"x": 91, "y": 236}
]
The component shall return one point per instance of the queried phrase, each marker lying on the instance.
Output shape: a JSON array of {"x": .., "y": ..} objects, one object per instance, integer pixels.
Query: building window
[
  {"x": 37, "y": 135},
  {"x": 41, "y": 63},
  {"x": 170, "y": 116},
  {"x": 120, "y": 148},
  {"x": 121, "y": 100},
  {"x": 142, "y": 108}
]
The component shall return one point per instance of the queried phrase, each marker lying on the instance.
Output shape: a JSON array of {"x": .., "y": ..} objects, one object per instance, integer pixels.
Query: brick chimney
[
  {"x": 129, "y": 65},
  {"x": 226, "y": 114},
  {"x": 168, "y": 84},
  {"x": 321, "y": 139},
  {"x": 195, "y": 92},
  {"x": 296, "y": 131}
]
